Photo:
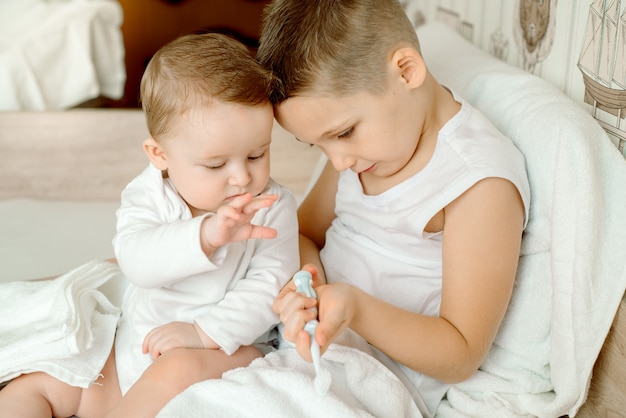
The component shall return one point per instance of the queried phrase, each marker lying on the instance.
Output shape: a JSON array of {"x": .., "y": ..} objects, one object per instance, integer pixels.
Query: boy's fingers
[
  {"x": 331, "y": 325},
  {"x": 303, "y": 345},
  {"x": 312, "y": 268},
  {"x": 295, "y": 304}
]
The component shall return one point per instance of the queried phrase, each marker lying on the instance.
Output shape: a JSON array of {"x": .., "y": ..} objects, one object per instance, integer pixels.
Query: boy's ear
[
  {"x": 409, "y": 64},
  {"x": 155, "y": 153}
]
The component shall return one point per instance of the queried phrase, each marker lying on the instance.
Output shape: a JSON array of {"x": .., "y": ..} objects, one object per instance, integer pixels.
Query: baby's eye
[
  {"x": 215, "y": 166},
  {"x": 346, "y": 134}
]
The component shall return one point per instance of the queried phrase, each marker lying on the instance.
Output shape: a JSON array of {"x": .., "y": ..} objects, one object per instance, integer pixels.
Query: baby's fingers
[
  {"x": 150, "y": 344},
  {"x": 262, "y": 232},
  {"x": 259, "y": 202}
]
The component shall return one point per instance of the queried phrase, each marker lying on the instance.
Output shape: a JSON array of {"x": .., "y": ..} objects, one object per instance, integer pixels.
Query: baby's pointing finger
[
  {"x": 259, "y": 202},
  {"x": 263, "y": 232}
]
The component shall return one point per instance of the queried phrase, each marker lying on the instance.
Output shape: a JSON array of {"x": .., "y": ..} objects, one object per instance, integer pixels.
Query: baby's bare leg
[
  {"x": 175, "y": 371},
  {"x": 38, "y": 395},
  {"x": 41, "y": 395}
]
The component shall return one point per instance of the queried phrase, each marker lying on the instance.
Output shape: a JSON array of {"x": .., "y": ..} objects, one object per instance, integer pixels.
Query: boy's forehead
[{"x": 311, "y": 118}]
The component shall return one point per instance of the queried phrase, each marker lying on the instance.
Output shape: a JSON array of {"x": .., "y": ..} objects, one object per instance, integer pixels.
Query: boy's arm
[
  {"x": 315, "y": 216},
  {"x": 482, "y": 238}
]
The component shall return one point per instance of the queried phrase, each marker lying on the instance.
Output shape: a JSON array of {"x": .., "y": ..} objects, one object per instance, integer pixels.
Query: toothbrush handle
[{"x": 304, "y": 285}]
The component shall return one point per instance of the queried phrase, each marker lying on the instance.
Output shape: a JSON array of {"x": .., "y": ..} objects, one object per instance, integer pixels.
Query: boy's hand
[
  {"x": 336, "y": 305},
  {"x": 231, "y": 222},
  {"x": 295, "y": 311},
  {"x": 174, "y": 335}
]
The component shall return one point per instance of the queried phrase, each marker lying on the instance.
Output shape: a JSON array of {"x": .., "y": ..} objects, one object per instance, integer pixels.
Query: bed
[
  {"x": 63, "y": 172},
  {"x": 57, "y": 54}
]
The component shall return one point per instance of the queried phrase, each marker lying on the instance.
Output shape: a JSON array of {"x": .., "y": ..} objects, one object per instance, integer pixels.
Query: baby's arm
[
  {"x": 245, "y": 312},
  {"x": 150, "y": 234}
]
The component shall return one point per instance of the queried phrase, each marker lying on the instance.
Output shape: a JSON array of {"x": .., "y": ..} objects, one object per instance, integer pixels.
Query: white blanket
[
  {"x": 572, "y": 275},
  {"x": 64, "y": 327},
  {"x": 281, "y": 385}
]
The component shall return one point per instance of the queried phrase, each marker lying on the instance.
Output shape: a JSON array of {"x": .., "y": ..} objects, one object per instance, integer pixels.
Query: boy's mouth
[{"x": 371, "y": 168}]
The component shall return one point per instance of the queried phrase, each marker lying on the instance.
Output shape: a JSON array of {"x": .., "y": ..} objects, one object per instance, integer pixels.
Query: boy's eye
[
  {"x": 298, "y": 139},
  {"x": 346, "y": 134},
  {"x": 257, "y": 157}
]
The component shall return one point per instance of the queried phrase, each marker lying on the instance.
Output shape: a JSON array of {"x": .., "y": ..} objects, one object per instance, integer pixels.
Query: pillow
[{"x": 571, "y": 275}]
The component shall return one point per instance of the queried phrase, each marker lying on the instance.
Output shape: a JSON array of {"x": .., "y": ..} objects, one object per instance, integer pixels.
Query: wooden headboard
[{"x": 150, "y": 24}]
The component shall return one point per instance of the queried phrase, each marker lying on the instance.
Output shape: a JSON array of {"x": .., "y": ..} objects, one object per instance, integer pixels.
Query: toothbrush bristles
[{"x": 322, "y": 376}]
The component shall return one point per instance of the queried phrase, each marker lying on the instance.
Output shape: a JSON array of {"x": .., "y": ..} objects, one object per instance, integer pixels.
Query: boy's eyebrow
[
  {"x": 329, "y": 132},
  {"x": 332, "y": 131}
]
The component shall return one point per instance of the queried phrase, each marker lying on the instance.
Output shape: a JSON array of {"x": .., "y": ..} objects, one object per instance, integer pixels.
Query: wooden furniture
[{"x": 150, "y": 24}]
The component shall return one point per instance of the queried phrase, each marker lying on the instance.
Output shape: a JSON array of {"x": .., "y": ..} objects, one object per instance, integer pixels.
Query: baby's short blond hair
[
  {"x": 331, "y": 47},
  {"x": 192, "y": 71}
]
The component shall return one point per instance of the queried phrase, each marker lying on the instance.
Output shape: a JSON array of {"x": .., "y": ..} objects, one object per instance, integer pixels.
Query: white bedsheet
[
  {"x": 55, "y": 54},
  {"x": 44, "y": 238}
]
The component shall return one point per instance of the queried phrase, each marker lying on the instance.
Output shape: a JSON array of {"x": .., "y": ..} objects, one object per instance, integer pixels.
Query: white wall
[{"x": 489, "y": 23}]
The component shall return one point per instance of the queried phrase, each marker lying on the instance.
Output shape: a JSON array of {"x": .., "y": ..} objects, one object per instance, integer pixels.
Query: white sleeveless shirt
[{"x": 378, "y": 243}]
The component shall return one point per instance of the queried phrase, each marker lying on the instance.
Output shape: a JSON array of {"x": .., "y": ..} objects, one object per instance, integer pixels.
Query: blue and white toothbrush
[{"x": 304, "y": 282}]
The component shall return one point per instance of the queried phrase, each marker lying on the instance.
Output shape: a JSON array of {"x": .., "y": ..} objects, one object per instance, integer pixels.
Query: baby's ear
[
  {"x": 155, "y": 153},
  {"x": 409, "y": 64}
]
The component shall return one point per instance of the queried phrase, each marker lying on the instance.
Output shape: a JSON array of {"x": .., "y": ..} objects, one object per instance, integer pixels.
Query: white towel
[
  {"x": 281, "y": 385},
  {"x": 64, "y": 326},
  {"x": 572, "y": 274}
]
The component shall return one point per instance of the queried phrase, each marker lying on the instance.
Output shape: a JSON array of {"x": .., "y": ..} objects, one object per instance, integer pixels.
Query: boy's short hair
[
  {"x": 331, "y": 46},
  {"x": 192, "y": 71}
]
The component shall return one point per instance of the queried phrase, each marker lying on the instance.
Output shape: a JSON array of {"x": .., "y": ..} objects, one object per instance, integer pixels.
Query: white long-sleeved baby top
[{"x": 229, "y": 295}]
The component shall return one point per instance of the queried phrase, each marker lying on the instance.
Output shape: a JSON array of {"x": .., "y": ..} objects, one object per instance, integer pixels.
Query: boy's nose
[{"x": 342, "y": 162}]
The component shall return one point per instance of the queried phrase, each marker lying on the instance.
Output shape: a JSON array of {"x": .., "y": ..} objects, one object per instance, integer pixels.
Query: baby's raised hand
[{"x": 231, "y": 222}]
